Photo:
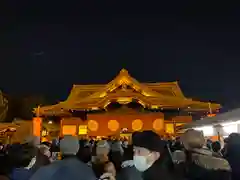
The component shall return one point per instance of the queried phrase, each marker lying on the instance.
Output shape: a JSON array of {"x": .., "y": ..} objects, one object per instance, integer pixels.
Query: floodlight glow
[
  {"x": 207, "y": 130},
  {"x": 232, "y": 128},
  {"x": 230, "y": 123}
]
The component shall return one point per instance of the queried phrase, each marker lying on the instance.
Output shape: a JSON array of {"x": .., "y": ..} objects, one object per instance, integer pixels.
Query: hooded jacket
[{"x": 201, "y": 164}]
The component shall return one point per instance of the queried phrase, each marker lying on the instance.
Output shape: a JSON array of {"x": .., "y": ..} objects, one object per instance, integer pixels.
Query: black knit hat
[{"x": 149, "y": 140}]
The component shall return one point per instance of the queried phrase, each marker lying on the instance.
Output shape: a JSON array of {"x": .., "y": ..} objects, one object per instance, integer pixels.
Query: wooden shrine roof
[{"x": 123, "y": 89}]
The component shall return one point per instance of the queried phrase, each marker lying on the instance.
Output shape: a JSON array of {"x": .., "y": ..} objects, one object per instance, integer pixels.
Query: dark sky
[{"x": 47, "y": 47}]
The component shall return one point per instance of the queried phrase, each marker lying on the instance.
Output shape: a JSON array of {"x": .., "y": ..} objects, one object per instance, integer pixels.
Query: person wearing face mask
[{"x": 149, "y": 156}]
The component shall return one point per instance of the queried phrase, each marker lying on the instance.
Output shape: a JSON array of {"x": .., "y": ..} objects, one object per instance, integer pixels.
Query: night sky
[{"x": 48, "y": 47}]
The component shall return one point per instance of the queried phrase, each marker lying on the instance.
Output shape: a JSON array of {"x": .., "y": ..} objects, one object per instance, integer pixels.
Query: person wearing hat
[
  {"x": 70, "y": 167},
  {"x": 149, "y": 156},
  {"x": 200, "y": 163}
]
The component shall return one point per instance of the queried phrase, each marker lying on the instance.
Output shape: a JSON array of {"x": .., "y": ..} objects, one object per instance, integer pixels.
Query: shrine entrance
[
  {"x": 113, "y": 124},
  {"x": 110, "y": 124}
]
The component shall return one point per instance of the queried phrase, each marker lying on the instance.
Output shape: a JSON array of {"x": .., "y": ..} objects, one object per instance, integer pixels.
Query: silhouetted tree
[
  {"x": 14, "y": 105},
  {"x": 28, "y": 104},
  {"x": 22, "y": 107}
]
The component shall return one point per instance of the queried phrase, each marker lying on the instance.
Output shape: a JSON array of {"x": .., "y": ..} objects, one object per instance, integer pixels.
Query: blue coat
[
  {"x": 69, "y": 168},
  {"x": 21, "y": 174}
]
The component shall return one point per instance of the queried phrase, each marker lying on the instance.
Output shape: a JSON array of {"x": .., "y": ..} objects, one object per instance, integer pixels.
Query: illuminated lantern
[
  {"x": 169, "y": 128},
  {"x": 37, "y": 123},
  {"x": 113, "y": 125},
  {"x": 158, "y": 124},
  {"x": 137, "y": 125},
  {"x": 82, "y": 130},
  {"x": 211, "y": 115},
  {"x": 44, "y": 132},
  {"x": 69, "y": 130},
  {"x": 92, "y": 125},
  {"x": 44, "y": 139}
]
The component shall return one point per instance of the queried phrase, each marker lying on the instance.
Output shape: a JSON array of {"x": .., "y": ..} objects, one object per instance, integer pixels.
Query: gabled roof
[
  {"x": 124, "y": 78},
  {"x": 166, "y": 87},
  {"x": 166, "y": 94}
]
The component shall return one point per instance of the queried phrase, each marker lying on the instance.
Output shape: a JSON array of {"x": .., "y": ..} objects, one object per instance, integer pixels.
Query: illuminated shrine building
[{"x": 124, "y": 103}]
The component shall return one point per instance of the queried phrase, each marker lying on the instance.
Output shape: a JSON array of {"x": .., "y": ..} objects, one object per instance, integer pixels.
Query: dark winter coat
[
  {"x": 200, "y": 164},
  {"x": 129, "y": 172},
  {"x": 159, "y": 170}
]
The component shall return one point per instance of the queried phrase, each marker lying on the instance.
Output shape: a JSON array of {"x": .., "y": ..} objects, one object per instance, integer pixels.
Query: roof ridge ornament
[{"x": 123, "y": 71}]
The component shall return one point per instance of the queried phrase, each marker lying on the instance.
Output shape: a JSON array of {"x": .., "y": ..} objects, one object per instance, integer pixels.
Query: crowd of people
[{"x": 147, "y": 157}]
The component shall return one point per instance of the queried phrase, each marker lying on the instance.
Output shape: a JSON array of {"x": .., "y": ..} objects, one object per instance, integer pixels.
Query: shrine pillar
[{"x": 37, "y": 127}]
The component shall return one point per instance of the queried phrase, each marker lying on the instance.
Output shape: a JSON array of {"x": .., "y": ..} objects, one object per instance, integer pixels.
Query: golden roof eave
[
  {"x": 100, "y": 103},
  {"x": 149, "y": 94},
  {"x": 57, "y": 109},
  {"x": 173, "y": 86}
]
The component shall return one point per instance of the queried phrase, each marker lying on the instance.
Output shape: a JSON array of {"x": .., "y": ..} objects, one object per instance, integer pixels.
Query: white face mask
[{"x": 140, "y": 163}]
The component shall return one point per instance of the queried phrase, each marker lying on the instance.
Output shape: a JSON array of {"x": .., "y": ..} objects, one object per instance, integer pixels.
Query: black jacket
[
  {"x": 129, "y": 172},
  {"x": 159, "y": 170}
]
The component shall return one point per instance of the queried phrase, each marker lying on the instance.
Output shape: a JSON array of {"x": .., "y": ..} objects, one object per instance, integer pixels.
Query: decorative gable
[{"x": 124, "y": 81}]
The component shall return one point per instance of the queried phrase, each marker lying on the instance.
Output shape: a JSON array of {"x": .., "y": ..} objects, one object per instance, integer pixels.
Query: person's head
[
  {"x": 116, "y": 157},
  {"x": 193, "y": 139},
  {"x": 102, "y": 148},
  {"x": 21, "y": 155},
  {"x": 147, "y": 147},
  {"x": 209, "y": 144},
  {"x": 116, "y": 146},
  {"x": 216, "y": 146},
  {"x": 84, "y": 154},
  {"x": 45, "y": 150},
  {"x": 128, "y": 153},
  {"x": 32, "y": 141},
  {"x": 69, "y": 145},
  {"x": 125, "y": 143},
  {"x": 178, "y": 139},
  {"x": 233, "y": 138},
  {"x": 233, "y": 144}
]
